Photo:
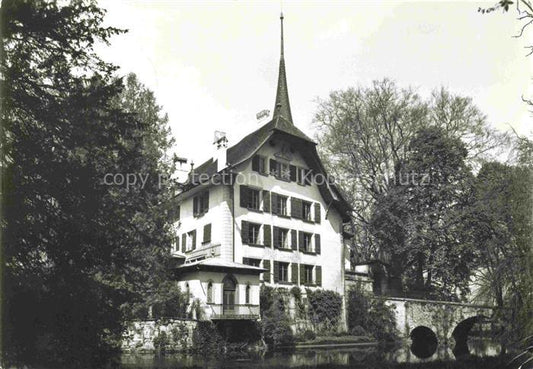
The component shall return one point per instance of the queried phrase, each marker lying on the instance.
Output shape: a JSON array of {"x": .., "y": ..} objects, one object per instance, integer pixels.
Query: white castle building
[{"x": 260, "y": 211}]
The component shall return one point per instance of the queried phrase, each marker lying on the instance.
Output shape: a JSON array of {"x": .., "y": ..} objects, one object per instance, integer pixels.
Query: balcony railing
[{"x": 220, "y": 311}]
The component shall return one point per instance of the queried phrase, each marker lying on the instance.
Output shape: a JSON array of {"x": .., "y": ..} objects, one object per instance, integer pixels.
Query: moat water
[{"x": 482, "y": 355}]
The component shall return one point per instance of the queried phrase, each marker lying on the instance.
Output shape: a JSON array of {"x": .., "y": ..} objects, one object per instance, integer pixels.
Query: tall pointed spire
[{"x": 282, "y": 107}]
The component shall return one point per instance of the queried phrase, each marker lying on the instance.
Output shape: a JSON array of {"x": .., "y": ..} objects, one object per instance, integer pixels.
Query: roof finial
[{"x": 282, "y": 107}]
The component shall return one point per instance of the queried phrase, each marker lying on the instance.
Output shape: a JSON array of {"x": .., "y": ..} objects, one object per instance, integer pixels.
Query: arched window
[
  {"x": 210, "y": 292},
  {"x": 247, "y": 295},
  {"x": 228, "y": 294}
]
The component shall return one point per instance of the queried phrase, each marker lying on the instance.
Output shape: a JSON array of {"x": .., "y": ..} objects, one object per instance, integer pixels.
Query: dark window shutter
[
  {"x": 195, "y": 206},
  {"x": 267, "y": 235},
  {"x": 244, "y": 196},
  {"x": 276, "y": 271},
  {"x": 317, "y": 212},
  {"x": 296, "y": 208},
  {"x": 244, "y": 232},
  {"x": 274, "y": 167},
  {"x": 205, "y": 203},
  {"x": 294, "y": 240},
  {"x": 318, "y": 275},
  {"x": 317, "y": 243},
  {"x": 255, "y": 163},
  {"x": 262, "y": 165},
  {"x": 301, "y": 240},
  {"x": 308, "y": 176},
  {"x": 294, "y": 273},
  {"x": 302, "y": 274},
  {"x": 266, "y": 201},
  {"x": 178, "y": 210},
  {"x": 266, "y": 275},
  {"x": 184, "y": 242},
  {"x": 292, "y": 173},
  {"x": 274, "y": 203},
  {"x": 176, "y": 244},
  {"x": 246, "y": 261},
  {"x": 207, "y": 233},
  {"x": 194, "y": 239},
  {"x": 276, "y": 238}
]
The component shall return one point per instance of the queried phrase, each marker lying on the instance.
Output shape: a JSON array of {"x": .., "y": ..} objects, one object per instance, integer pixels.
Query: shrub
[
  {"x": 325, "y": 308},
  {"x": 371, "y": 315},
  {"x": 276, "y": 326},
  {"x": 207, "y": 340},
  {"x": 308, "y": 335}
]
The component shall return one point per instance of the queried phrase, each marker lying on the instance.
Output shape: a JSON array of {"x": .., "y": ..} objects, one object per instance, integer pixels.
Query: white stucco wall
[{"x": 331, "y": 256}]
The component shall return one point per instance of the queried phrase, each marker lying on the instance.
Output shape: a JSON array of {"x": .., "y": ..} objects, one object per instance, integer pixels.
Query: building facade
[{"x": 262, "y": 211}]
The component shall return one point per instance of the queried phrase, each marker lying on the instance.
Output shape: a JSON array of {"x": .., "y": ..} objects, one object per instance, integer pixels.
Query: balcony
[{"x": 233, "y": 312}]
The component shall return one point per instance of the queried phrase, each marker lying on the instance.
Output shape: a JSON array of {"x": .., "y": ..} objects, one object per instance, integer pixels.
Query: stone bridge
[{"x": 440, "y": 322}]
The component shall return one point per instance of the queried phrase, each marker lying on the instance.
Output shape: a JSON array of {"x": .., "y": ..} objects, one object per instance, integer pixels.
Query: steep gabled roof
[{"x": 281, "y": 124}]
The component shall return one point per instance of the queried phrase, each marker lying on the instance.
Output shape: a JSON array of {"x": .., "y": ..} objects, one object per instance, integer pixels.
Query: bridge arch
[
  {"x": 460, "y": 334},
  {"x": 423, "y": 342}
]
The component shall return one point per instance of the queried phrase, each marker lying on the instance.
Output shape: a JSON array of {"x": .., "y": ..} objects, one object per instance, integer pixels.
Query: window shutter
[
  {"x": 207, "y": 233},
  {"x": 296, "y": 208},
  {"x": 178, "y": 210},
  {"x": 246, "y": 261},
  {"x": 184, "y": 242},
  {"x": 274, "y": 167},
  {"x": 176, "y": 244},
  {"x": 317, "y": 243},
  {"x": 317, "y": 212},
  {"x": 294, "y": 240},
  {"x": 194, "y": 239},
  {"x": 294, "y": 273},
  {"x": 302, "y": 275},
  {"x": 205, "y": 203},
  {"x": 301, "y": 240},
  {"x": 266, "y": 275},
  {"x": 244, "y": 196},
  {"x": 318, "y": 275},
  {"x": 274, "y": 203},
  {"x": 244, "y": 232},
  {"x": 308, "y": 176},
  {"x": 276, "y": 238},
  {"x": 255, "y": 163},
  {"x": 292, "y": 173},
  {"x": 262, "y": 165},
  {"x": 266, "y": 201},
  {"x": 195, "y": 206},
  {"x": 267, "y": 235},
  {"x": 276, "y": 272}
]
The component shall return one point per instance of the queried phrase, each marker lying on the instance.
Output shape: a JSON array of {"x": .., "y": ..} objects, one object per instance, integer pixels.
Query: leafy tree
[
  {"x": 502, "y": 232},
  {"x": 364, "y": 135},
  {"x": 75, "y": 248},
  {"x": 422, "y": 222}
]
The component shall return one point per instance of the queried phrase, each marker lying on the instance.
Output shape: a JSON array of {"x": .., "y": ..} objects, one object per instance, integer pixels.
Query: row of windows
[
  {"x": 262, "y": 200},
  {"x": 256, "y": 234},
  {"x": 283, "y": 171},
  {"x": 210, "y": 293},
  {"x": 188, "y": 239},
  {"x": 288, "y": 272}
]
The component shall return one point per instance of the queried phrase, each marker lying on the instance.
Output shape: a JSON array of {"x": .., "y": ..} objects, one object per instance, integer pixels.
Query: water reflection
[{"x": 360, "y": 357}]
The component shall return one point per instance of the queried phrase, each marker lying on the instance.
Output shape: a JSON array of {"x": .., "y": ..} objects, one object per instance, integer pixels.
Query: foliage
[
  {"x": 76, "y": 249},
  {"x": 308, "y": 335},
  {"x": 423, "y": 222},
  {"x": 503, "y": 228},
  {"x": 207, "y": 340},
  {"x": 276, "y": 326},
  {"x": 269, "y": 295},
  {"x": 325, "y": 308},
  {"x": 364, "y": 134},
  {"x": 370, "y": 316},
  {"x": 296, "y": 292}
]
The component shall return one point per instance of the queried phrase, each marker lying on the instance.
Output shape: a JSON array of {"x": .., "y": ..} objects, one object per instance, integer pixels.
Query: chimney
[{"x": 221, "y": 150}]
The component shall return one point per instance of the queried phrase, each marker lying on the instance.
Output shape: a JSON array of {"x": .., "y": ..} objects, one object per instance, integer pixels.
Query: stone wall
[{"x": 171, "y": 335}]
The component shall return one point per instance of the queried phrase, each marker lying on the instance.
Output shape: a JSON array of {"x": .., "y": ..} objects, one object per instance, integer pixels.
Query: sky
[{"x": 213, "y": 65}]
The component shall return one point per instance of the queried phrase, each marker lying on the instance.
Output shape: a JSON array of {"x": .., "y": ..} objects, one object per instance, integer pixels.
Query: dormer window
[{"x": 259, "y": 164}]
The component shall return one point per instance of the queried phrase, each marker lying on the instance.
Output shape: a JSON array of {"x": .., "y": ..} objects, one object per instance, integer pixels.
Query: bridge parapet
[{"x": 442, "y": 317}]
